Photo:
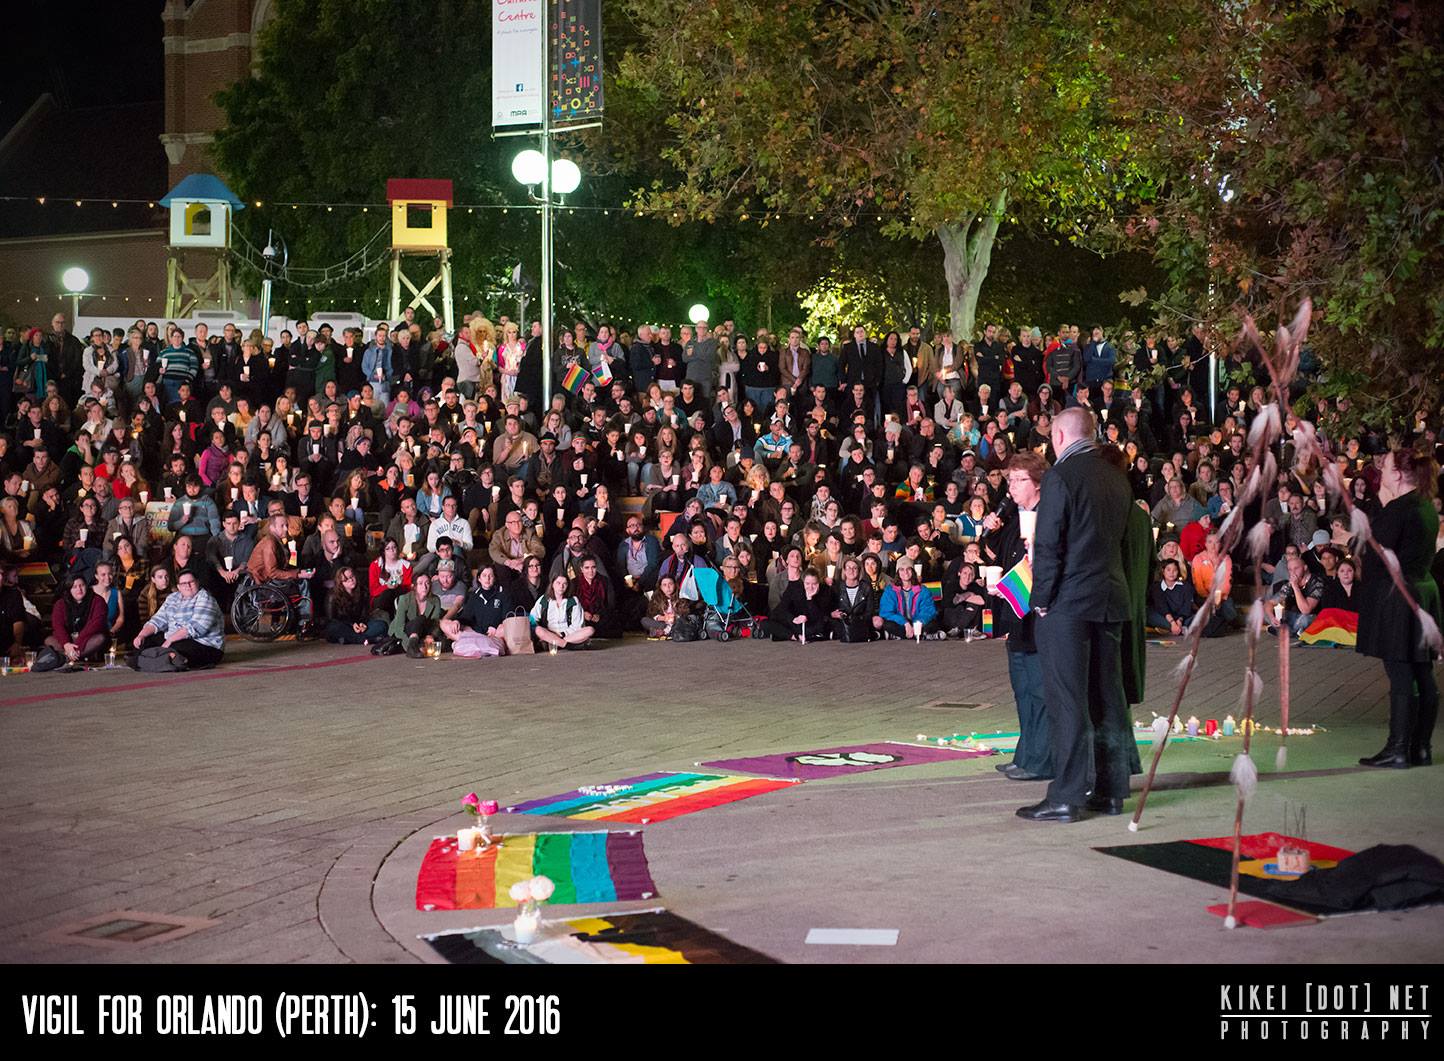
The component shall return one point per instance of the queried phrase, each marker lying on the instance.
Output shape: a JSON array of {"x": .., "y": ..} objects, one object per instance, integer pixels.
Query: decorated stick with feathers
[{"x": 1265, "y": 430}]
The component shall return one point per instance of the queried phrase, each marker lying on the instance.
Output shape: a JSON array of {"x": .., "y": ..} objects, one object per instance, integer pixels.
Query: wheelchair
[{"x": 264, "y": 611}]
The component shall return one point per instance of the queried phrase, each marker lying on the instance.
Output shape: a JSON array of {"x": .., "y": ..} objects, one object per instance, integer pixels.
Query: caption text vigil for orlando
[{"x": 1340, "y": 1011}]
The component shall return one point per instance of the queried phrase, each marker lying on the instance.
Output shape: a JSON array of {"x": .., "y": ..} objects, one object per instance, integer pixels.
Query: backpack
[
  {"x": 687, "y": 628},
  {"x": 161, "y": 660}
]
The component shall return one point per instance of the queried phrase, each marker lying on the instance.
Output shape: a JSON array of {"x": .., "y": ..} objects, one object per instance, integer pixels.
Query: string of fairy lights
[
  {"x": 741, "y": 215},
  {"x": 763, "y": 216}
]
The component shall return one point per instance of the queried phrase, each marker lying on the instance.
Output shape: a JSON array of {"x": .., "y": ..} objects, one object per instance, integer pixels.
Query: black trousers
[
  {"x": 195, "y": 653},
  {"x": 1087, "y": 709}
]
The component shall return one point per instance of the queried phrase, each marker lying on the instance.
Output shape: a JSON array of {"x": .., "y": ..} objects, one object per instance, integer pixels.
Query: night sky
[{"x": 86, "y": 52}]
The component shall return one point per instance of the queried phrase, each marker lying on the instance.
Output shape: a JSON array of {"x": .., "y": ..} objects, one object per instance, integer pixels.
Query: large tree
[
  {"x": 1302, "y": 152},
  {"x": 949, "y": 119}
]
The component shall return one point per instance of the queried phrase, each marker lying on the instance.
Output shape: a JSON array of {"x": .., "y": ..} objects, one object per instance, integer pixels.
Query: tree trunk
[{"x": 967, "y": 253}]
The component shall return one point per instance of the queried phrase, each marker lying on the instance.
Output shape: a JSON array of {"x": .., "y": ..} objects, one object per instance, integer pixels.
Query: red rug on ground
[{"x": 1266, "y": 845}]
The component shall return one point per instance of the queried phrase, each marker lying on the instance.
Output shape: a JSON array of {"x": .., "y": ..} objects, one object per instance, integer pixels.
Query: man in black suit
[
  {"x": 862, "y": 362},
  {"x": 1081, "y": 597}
]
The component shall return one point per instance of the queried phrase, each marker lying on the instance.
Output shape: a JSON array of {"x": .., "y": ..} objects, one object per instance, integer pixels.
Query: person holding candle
[
  {"x": 907, "y": 609},
  {"x": 1389, "y": 629}
]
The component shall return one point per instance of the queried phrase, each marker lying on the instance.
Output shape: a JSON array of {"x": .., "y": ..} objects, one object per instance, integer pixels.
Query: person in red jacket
[{"x": 77, "y": 623}]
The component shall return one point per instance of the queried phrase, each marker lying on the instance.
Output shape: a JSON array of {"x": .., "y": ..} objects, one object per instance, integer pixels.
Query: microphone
[{"x": 1004, "y": 512}]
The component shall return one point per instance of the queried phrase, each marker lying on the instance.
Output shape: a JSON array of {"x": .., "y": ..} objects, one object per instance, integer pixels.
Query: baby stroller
[{"x": 724, "y": 616}]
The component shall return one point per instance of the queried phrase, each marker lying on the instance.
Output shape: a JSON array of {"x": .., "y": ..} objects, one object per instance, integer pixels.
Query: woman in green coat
[{"x": 417, "y": 622}]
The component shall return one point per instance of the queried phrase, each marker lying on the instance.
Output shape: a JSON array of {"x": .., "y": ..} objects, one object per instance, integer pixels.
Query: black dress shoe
[
  {"x": 1421, "y": 755},
  {"x": 1051, "y": 812},
  {"x": 1017, "y": 773},
  {"x": 1003, "y": 768},
  {"x": 1393, "y": 757},
  {"x": 1109, "y": 805}
]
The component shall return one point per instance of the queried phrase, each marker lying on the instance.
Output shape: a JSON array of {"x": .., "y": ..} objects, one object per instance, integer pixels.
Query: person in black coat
[
  {"x": 853, "y": 605},
  {"x": 1389, "y": 630},
  {"x": 808, "y": 600},
  {"x": 862, "y": 362},
  {"x": 1081, "y": 596}
]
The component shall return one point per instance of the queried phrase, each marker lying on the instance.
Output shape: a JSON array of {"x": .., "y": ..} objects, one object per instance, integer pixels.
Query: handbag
[
  {"x": 516, "y": 632},
  {"x": 46, "y": 659},
  {"x": 161, "y": 660},
  {"x": 686, "y": 628}
]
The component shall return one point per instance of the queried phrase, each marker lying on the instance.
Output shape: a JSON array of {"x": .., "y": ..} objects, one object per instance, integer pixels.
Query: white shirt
[{"x": 458, "y": 530}]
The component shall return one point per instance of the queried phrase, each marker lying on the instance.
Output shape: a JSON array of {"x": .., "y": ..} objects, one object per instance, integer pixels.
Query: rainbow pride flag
[
  {"x": 585, "y": 867},
  {"x": 935, "y": 588},
  {"x": 573, "y": 378},
  {"x": 603, "y": 375},
  {"x": 1334, "y": 626},
  {"x": 650, "y": 797},
  {"x": 1016, "y": 587}
]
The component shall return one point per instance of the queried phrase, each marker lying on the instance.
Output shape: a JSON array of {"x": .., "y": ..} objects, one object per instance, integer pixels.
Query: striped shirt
[{"x": 200, "y": 615}]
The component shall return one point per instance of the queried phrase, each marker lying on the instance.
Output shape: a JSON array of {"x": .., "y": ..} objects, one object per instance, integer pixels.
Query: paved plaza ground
[{"x": 289, "y": 795}]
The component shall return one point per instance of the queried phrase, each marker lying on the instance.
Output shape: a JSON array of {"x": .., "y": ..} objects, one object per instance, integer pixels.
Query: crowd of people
[{"x": 409, "y": 489}]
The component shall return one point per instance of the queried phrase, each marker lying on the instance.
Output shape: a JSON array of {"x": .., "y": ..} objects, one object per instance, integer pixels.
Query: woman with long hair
[
  {"x": 509, "y": 357},
  {"x": 1389, "y": 630},
  {"x": 558, "y": 620},
  {"x": 527, "y": 588},
  {"x": 388, "y": 577},
  {"x": 351, "y": 620}
]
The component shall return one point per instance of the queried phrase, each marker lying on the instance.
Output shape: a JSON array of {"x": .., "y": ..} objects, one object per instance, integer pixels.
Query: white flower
[
  {"x": 542, "y": 888},
  {"x": 520, "y": 891}
]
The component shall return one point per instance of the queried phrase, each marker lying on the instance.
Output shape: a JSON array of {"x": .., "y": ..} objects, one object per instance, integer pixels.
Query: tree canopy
[
  {"x": 1301, "y": 156},
  {"x": 943, "y": 119}
]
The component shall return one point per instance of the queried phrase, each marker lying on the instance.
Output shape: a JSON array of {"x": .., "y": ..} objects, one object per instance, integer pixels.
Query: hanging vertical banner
[
  {"x": 516, "y": 73},
  {"x": 577, "y": 60}
]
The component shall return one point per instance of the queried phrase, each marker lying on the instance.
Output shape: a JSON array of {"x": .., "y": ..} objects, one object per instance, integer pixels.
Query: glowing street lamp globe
[
  {"x": 566, "y": 177},
  {"x": 698, "y": 313},
  {"x": 529, "y": 167},
  {"x": 75, "y": 279}
]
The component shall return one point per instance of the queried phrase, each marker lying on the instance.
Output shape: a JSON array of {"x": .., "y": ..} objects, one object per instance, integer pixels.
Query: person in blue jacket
[{"x": 907, "y": 607}]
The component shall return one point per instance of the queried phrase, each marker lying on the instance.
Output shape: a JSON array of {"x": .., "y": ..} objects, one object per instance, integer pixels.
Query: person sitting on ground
[
  {"x": 417, "y": 623},
  {"x": 1171, "y": 602},
  {"x": 907, "y": 607},
  {"x": 963, "y": 599},
  {"x": 474, "y": 623},
  {"x": 350, "y": 619},
  {"x": 557, "y": 619},
  {"x": 664, "y": 609},
  {"x": 77, "y": 624},
  {"x": 189, "y": 624},
  {"x": 1299, "y": 594},
  {"x": 853, "y": 605},
  {"x": 594, "y": 592},
  {"x": 803, "y": 612}
]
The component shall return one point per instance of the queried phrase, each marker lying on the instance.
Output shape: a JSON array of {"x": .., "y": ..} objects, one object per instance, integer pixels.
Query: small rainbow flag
[
  {"x": 573, "y": 378},
  {"x": 935, "y": 588},
  {"x": 650, "y": 797},
  {"x": 585, "y": 867},
  {"x": 1334, "y": 626},
  {"x": 1016, "y": 587},
  {"x": 603, "y": 375}
]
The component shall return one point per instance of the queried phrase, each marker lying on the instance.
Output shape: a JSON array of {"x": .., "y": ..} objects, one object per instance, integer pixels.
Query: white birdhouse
[{"x": 200, "y": 212}]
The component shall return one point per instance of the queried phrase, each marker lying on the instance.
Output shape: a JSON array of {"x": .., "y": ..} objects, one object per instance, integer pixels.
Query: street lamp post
[
  {"x": 560, "y": 176},
  {"x": 76, "y": 280}
]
